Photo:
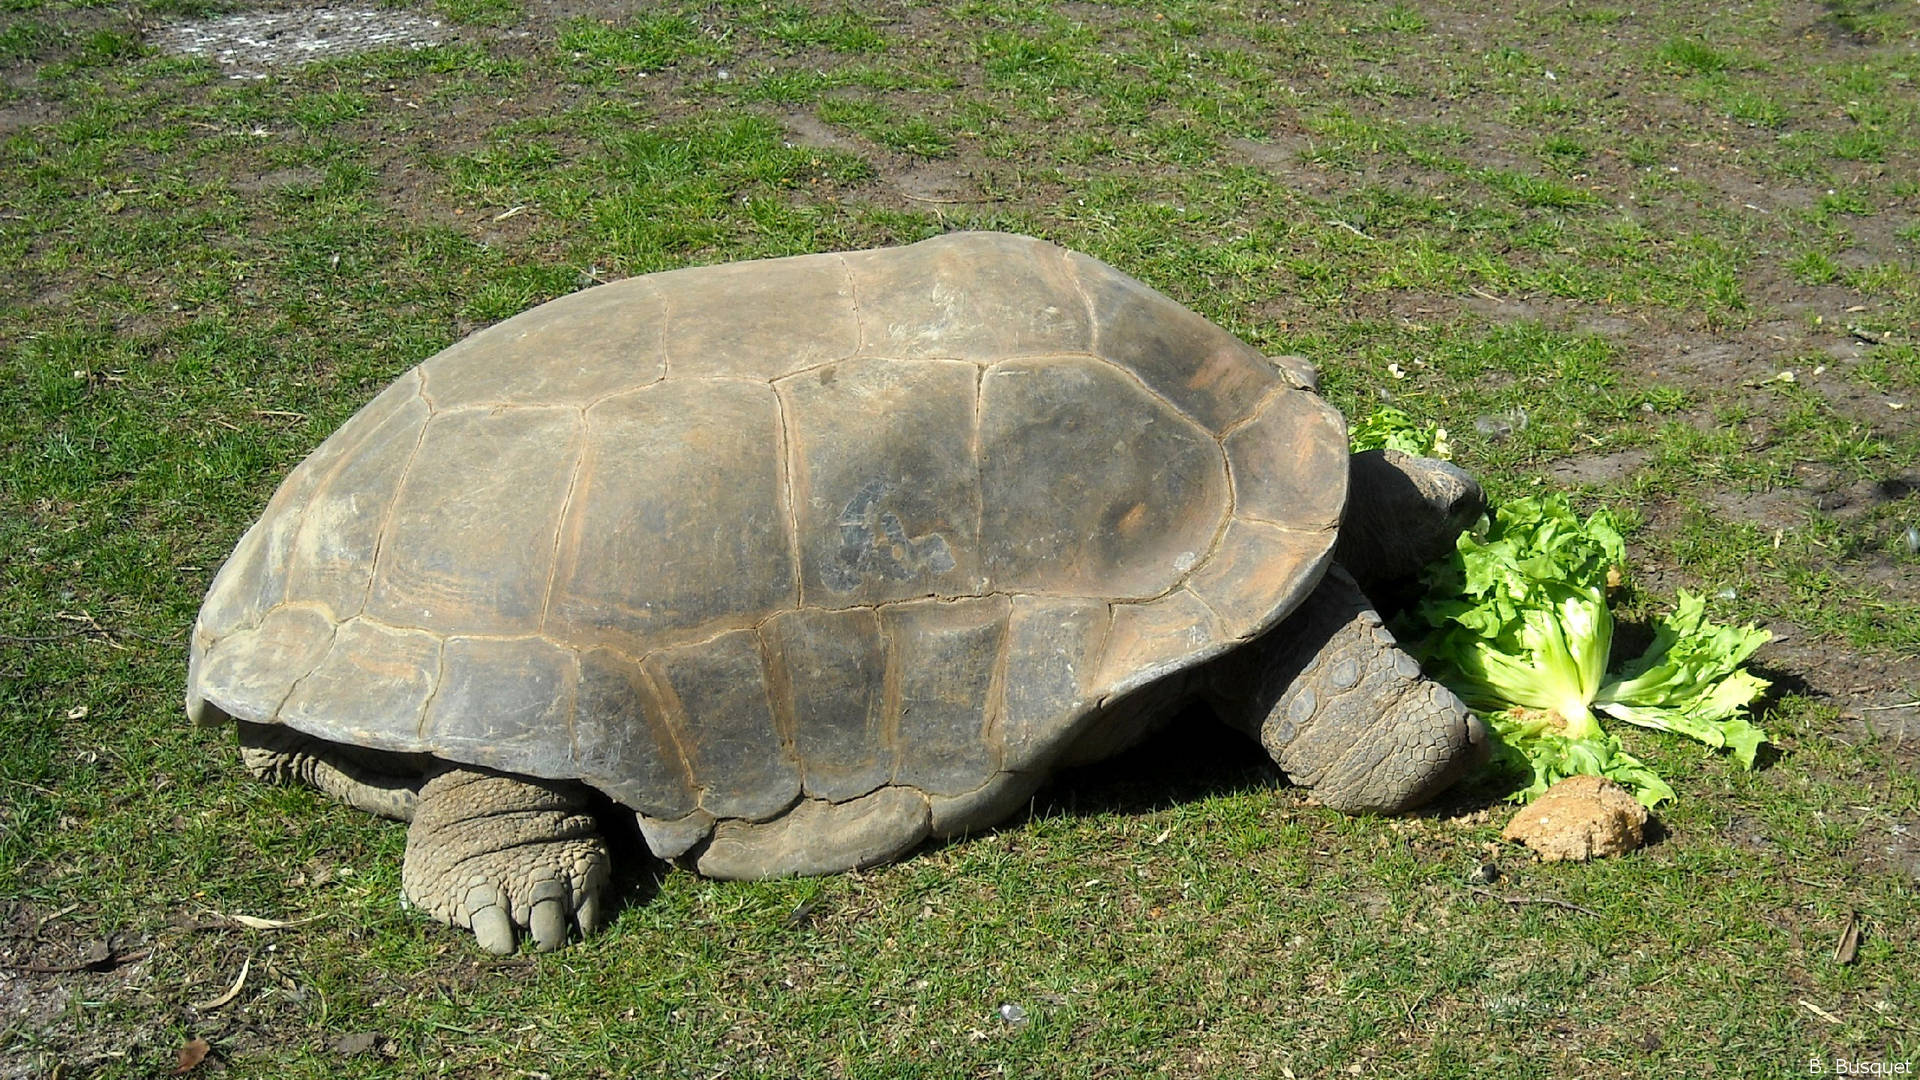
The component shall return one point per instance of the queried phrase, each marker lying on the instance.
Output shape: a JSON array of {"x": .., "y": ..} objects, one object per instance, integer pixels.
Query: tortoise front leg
[
  {"x": 1344, "y": 711},
  {"x": 506, "y": 857}
]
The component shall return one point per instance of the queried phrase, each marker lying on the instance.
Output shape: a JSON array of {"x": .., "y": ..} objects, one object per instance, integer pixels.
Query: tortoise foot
[
  {"x": 507, "y": 857},
  {"x": 1356, "y": 722}
]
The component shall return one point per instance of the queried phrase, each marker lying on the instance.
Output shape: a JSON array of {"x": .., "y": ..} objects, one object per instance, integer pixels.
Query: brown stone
[{"x": 1580, "y": 818}]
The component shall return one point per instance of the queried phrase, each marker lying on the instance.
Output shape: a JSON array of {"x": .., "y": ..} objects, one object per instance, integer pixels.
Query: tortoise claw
[
  {"x": 549, "y": 920},
  {"x": 493, "y": 929}
]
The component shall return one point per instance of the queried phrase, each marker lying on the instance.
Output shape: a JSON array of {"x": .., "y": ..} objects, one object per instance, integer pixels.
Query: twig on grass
[
  {"x": 1569, "y": 905},
  {"x": 42, "y": 639},
  {"x": 950, "y": 202},
  {"x": 239, "y": 983},
  {"x": 89, "y": 628}
]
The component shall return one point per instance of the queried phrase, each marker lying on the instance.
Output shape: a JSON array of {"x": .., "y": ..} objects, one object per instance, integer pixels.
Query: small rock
[
  {"x": 1580, "y": 818},
  {"x": 1484, "y": 874},
  {"x": 1013, "y": 1014},
  {"x": 355, "y": 1044},
  {"x": 1500, "y": 425}
]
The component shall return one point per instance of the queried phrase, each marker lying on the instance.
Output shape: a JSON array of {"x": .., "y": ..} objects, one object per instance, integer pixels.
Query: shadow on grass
[{"x": 1193, "y": 758}]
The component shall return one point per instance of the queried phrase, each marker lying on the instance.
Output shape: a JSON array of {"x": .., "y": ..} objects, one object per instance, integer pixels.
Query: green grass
[
  {"x": 1587, "y": 241},
  {"x": 1696, "y": 57}
]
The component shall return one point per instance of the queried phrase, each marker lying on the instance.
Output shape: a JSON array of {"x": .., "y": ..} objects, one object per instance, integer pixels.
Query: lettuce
[
  {"x": 1536, "y": 745},
  {"x": 1392, "y": 429},
  {"x": 1517, "y": 623},
  {"x": 1690, "y": 682}
]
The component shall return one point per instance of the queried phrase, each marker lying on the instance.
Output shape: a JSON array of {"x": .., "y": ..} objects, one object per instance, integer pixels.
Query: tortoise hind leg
[
  {"x": 385, "y": 785},
  {"x": 506, "y": 857}
]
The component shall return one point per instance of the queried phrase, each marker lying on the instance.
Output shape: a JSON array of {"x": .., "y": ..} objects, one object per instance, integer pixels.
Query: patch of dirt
[
  {"x": 277, "y": 180},
  {"x": 22, "y": 115},
  {"x": 810, "y": 131},
  {"x": 253, "y": 44},
  {"x": 48, "y": 960},
  {"x": 1599, "y": 468},
  {"x": 935, "y": 182},
  {"x": 1776, "y": 508}
]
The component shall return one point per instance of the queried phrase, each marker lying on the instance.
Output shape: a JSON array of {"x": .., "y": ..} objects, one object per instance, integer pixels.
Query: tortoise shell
[{"x": 726, "y": 541}]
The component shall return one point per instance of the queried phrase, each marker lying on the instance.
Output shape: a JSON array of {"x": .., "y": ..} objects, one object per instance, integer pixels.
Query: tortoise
[{"x": 804, "y": 561}]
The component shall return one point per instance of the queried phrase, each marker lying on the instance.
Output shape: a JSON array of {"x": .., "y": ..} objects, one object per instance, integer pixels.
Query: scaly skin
[
  {"x": 379, "y": 784},
  {"x": 1358, "y": 724},
  {"x": 1344, "y": 711},
  {"x": 506, "y": 857},
  {"x": 1402, "y": 513}
]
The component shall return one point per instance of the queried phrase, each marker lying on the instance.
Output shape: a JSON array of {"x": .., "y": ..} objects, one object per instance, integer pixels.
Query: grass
[{"x": 1588, "y": 241}]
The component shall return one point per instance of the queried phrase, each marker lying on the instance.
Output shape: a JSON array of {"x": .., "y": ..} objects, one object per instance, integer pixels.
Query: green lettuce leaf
[
  {"x": 1690, "y": 682},
  {"x": 1392, "y": 429},
  {"x": 1519, "y": 616},
  {"x": 1533, "y": 745}
]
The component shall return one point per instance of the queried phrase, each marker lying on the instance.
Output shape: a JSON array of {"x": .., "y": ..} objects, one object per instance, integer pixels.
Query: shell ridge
[
  {"x": 321, "y": 486},
  {"x": 1156, "y": 395},
  {"x": 979, "y": 471},
  {"x": 786, "y": 453},
  {"x": 891, "y": 694},
  {"x": 670, "y": 725},
  {"x": 1098, "y": 661},
  {"x": 673, "y": 715},
  {"x": 622, "y": 392},
  {"x": 1094, "y": 327},
  {"x": 666, "y": 332},
  {"x": 386, "y": 517},
  {"x": 421, "y": 389},
  {"x": 994, "y": 712},
  {"x": 1258, "y": 408},
  {"x": 1213, "y": 612},
  {"x": 779, "y": 683},
  {"x": 560, "y": 521},
  {"x": 773, "y": 669},
  {"x": 319, "y": 657},
  {"x": 426, "y": 706},
  {"x": 859, "y": 319},
  {"x": 1220, "y": 530}
]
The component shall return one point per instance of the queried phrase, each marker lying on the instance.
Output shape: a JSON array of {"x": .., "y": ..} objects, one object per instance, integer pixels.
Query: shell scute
[{"x": 729, "y": 541}]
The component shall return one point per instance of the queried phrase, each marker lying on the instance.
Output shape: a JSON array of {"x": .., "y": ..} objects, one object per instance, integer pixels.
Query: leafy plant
[
  {"x": 1518, "y": 624},
  {"x": 1393, "y": 429}
]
